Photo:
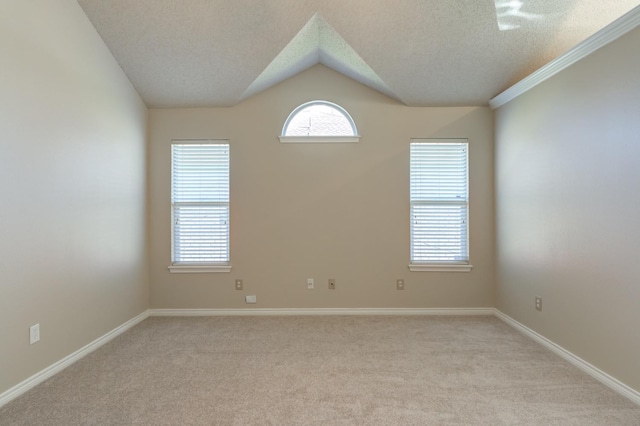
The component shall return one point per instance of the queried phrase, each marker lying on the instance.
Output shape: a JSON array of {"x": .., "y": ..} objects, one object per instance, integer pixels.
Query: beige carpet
[{"x": 321, "y": 371}]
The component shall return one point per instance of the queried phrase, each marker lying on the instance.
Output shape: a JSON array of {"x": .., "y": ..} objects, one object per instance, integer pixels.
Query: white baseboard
[
  {"x": 583, "y": 365},
  {"x": 55, "y": 368},
  {"x": 317, "y": 311}
]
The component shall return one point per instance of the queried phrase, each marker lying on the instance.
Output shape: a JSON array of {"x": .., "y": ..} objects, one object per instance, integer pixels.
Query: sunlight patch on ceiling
[
  {"x": 510, "y": 15},
  {"x": 317, "y": 43}
]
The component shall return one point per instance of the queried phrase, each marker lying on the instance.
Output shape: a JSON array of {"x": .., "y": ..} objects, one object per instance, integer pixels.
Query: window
[
  {"x": 319, "y": 121},
  {"x": 200, "y": 206},
  {"x": 439, "y": 205}
]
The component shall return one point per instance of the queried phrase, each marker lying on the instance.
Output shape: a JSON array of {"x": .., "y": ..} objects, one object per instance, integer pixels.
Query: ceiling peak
[{"x": 317, "y": 43}]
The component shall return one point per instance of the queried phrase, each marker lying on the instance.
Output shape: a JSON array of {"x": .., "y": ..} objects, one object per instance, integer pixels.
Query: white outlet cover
[
  {"x": 309, "y": 283},
  {"x": 34, "y": 334},
  {"x": 250, "y": 299}
]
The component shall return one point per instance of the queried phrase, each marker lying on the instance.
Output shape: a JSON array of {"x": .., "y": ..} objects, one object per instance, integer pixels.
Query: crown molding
[{"x": 611, "y": 32}]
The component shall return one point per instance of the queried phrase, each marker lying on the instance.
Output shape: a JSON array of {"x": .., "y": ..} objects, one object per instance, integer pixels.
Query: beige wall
[
  {"x": 568, "y": 208},
  {"x": 72, "y": 183},
  {"x": 322, "y": 210}
]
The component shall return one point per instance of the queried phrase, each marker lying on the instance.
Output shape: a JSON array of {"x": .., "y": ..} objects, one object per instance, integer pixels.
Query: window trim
[
  {"x": 319, "y": 138},
  {"x": 196, "y": 267},
  {"x": 182, "y": 268},
  {"x": 452, "y": 266},
  {"x": 439, "y": 267}
]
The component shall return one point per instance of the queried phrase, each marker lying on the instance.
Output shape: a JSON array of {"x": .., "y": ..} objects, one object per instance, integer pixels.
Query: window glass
[{"x": 319, "y": 118}]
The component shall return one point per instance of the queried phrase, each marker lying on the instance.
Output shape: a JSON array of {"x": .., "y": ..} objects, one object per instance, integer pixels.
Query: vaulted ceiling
[{"x": 189, "y": 53}]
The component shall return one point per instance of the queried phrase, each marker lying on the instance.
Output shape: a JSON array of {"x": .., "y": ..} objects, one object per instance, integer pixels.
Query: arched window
[{"x": 319, "y": 121}]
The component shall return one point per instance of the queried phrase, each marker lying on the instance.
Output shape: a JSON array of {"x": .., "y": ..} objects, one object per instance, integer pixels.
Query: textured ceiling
[{"x": 180, "y": 53}]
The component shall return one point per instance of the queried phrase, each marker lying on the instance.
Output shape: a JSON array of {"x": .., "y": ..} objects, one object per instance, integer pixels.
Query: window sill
[
  {"x": 319, "y": 139},
  {"x": 198, "y": 269},
  {"x": 442, "y": 267}
]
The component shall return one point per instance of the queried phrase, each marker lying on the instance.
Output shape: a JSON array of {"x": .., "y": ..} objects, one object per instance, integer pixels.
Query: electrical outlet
[
  {"x": 34, "y": 334},
  {"x": 400, "y": 284},
  {"x": 238, "y": 284},
  {"x": 332, "y": 284},
  {"x": 538, "y": 303},
  {"x": 310, "y": 283},
  {"x": 250, "y": 299}
]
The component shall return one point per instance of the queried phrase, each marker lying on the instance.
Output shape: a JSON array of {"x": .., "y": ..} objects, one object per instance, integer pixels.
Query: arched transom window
[{"x": 319, "y": 121}]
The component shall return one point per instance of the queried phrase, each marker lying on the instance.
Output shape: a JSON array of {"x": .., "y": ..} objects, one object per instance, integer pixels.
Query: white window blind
[
  {"x": 200, "y": 202},
  {"x": 439, "y": 202}
]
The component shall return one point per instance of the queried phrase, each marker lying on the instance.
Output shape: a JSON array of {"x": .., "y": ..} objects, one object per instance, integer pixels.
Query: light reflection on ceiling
[{"x": 510, "y": 14}]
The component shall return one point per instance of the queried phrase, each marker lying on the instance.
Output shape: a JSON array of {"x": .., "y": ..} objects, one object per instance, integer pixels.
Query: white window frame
[
  {"x": 178, "y": 266},
  {"x": 461, "y": 264},
  {"x": 354, "y": 137}
]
